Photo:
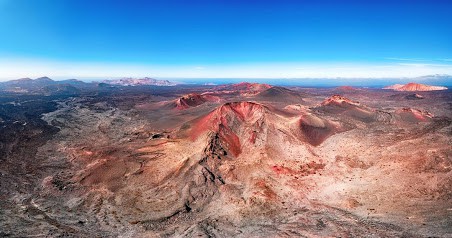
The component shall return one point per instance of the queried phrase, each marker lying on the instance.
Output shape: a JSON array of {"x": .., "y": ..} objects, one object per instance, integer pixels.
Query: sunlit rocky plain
[{"x": 237, "y": 160}]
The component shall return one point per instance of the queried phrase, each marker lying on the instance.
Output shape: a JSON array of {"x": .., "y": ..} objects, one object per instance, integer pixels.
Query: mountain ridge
[{"x": 412, "y": 87}]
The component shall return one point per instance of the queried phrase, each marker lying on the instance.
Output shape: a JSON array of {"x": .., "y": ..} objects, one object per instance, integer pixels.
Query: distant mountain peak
[
  {"x": 45, "y": 78},
  {"x": 414, "y": 87},
  {"x": 139, "y": 81}
]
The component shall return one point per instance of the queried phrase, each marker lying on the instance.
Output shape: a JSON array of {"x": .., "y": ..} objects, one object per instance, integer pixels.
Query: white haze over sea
[{"x": 302, "y": 73}]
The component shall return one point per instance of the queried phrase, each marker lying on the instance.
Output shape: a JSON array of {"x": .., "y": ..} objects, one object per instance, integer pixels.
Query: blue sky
[{"x": 79, "y": 38}]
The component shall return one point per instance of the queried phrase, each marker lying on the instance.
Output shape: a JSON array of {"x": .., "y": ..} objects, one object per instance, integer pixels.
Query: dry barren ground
[{"x": 366, "y": 164}]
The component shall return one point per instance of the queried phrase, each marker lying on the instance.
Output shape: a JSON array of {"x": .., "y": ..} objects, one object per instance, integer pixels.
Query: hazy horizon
[{"x": 439, "y": 80}]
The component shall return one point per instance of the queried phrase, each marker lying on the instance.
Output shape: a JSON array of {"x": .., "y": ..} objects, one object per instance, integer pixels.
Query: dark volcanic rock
[{"x": 414, "y": 96}]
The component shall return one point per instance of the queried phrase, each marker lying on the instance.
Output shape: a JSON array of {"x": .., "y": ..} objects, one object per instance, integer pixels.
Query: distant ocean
[{"x": 316, "y": 82}]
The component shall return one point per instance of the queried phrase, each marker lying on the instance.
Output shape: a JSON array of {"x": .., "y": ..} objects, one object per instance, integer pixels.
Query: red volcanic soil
[
  {"x": 240, "y": 122},
  {"x": 339, "y": 101},
  {"x": 229, "y": 139},
  {"x": 316, "y": 130},
  {"x": 346, "y": 89},
  {"x": 193, "y": 100},
  {"x": 414, "y": 87},
  {"x": 414, "y": 115},
  {"x": 279, "y": 169},
  {"x": 264, "y": 190},
  {"x": 341, "y": 105},
  {"x": 227, "y": 120}
]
